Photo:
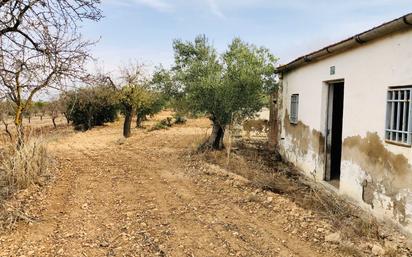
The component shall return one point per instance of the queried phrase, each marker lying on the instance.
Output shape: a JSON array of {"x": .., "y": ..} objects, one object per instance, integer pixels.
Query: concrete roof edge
[{"x": 356, "y": 40}]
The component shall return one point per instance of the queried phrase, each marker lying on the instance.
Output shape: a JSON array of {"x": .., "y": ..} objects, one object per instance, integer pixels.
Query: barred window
[
  {"x": 398, "y": 116},
  {"x": 294, "y": 107}
]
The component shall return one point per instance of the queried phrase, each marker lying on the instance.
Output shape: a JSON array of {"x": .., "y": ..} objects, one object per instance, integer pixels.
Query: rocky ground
[{"x": 153, "y": 195}]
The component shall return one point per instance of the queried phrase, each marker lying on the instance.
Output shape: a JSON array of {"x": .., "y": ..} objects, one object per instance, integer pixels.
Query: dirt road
[{"x": 145, "y": 197}]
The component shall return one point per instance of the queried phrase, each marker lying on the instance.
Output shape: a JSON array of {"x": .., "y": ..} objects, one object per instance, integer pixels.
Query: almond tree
[
  {"x": 5, "y": 111},
  {"x": 54, "y": 108},
  {"x": 133, "y": 93},
  {"x": 41, "y": 48}
]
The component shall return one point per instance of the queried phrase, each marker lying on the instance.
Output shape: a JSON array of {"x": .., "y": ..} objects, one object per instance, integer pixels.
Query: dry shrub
[
  {"x": 391, "y": 252},
  {"x": 273, "y": 182},
  {"x": 197, "y": 142},
  {"x": 251, "y": 166},
  {"x": 254, "y": 161},
  {"x": 350, "y": 250},
  {"x": 366, "y": 227},
  {"x": 162, "y": 124},
  {"x": 21, "y": 168},
  {"x": 11, "y": 214}
]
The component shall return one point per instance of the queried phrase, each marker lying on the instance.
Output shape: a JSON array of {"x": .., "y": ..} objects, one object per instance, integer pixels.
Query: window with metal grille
[
  {"x": 398, "y": 116},
  {"x": 294, "y": 108}
]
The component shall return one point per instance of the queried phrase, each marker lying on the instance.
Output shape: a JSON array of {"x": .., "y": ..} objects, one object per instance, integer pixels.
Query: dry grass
[
  {"x": 390, "y": 252},
  {"x": 21, "y": 168},
  {"x": 253, "y": 160},
  {"x": 350, "y": 250}
]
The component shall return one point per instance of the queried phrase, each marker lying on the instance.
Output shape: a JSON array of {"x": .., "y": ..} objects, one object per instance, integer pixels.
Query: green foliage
[
  {"x": 227, "y": 86},
  {"x": 92, "y": 106},
  {"x": 163, "y": 124},
  {"x": 132, "y": 97},
  {"x": 40, "y": 108},
  {"x": 163, "y": 81},
  {"x": 179, "y": 118},
  {"x": 172, "y": 93},
  {"x": 152, "y": 104}
]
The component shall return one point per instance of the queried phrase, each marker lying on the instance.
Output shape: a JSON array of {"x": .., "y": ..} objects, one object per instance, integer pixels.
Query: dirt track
[{"x": 145, "y": 197}]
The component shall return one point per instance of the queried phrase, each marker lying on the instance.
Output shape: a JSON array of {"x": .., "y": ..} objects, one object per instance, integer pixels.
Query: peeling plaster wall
[{"x": 376, "y": 174}]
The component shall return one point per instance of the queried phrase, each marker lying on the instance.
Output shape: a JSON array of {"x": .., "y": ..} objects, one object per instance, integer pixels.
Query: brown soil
[{"x": 146, "y": 196}]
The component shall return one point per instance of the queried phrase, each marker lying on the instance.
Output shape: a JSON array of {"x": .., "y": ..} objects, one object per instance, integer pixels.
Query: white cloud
[
  {"x": 158, "y": 5},
  {"x": 215, "y": 9}
]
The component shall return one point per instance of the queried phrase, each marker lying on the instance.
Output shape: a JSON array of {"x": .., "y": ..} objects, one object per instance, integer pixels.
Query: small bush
[
  {"x": 90, "y": 107},
  {"x": 167, "y": 122},
  {"x": 158, "y": 126},
  {"x": 21, "y": 168},
  {"x": 179, "y": 119},
  {"x": 163, "y": 124}
]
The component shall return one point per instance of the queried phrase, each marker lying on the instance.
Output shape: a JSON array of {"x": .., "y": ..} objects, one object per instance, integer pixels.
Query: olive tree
[{"x": 225, "y": 86}]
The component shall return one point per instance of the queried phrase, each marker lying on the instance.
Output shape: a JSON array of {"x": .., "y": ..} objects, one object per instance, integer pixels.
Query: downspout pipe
[{"x": 402, "y": 23}]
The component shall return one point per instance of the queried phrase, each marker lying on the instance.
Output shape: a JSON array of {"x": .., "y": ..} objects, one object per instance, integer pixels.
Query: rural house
[{"x": 345, "y": 118}]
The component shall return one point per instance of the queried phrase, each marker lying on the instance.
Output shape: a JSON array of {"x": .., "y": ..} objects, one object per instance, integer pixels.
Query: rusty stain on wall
[
  {"x": 391, "y": 173},
  {"x": 304, "y": 138},
  {"x": 372, "y": 156}
]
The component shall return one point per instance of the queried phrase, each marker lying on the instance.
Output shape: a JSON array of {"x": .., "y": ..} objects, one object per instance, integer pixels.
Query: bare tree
[
  {"x": 29, "y": 17},
  {"x": 55, "y": 108},
  {"x": 41, "y": 48},
  {"x": 5, "y": 110}
]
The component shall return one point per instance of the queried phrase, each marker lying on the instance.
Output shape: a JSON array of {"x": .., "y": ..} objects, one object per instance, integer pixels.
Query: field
[{"x": 155, "y": 195}]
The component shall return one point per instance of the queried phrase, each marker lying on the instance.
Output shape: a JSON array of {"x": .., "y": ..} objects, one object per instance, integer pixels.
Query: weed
[
  {"x": 179, "y": 119},
  {"x": 20, "y": 168},
  {"x": 265, "y": 170},
  {"x": 391, "y": 252},
  {"x": 350, "y": 250},
  {"x": 163, "y": 124}
]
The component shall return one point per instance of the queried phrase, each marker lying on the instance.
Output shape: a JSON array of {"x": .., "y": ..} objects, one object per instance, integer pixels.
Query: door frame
[{"x": 328, "y": 125}]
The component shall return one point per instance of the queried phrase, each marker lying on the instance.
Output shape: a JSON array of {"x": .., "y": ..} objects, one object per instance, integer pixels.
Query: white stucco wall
[{"x": 368, "y": 71}]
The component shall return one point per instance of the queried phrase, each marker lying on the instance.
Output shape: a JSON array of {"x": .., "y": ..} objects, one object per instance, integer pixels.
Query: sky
[{"x": 143, "y": 30}]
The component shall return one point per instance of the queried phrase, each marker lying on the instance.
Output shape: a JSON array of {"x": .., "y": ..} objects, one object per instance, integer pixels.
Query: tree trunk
[
  {"x": 216, "y": 138},
  {"x": 18, "y": 122},
  {"x": 128, "y": 123},
  {"x": 67, "y": 117},
  {"x": 139, "y": 120},
  {"x": 41, "y": 117},
  {"x": 6, "y": 126},
  {"x": 89, "y": 123},
  {"x": 29, "y": 119},
  {"x": 273, "y": 134},
  {"x": 54, "y": 122}
]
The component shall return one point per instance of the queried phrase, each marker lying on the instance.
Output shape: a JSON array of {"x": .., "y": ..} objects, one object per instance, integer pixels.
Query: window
[
  {"x": 294, "y": 107},
  {"x": 398, "y": 116}
]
